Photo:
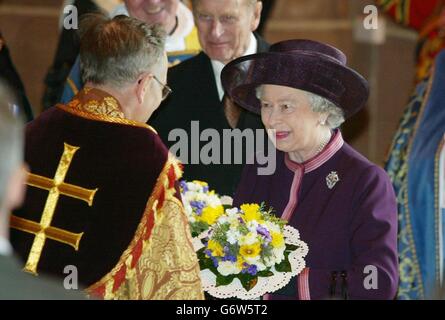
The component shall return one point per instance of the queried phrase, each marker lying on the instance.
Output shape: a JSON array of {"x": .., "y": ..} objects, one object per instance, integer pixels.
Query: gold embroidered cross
[{"x": 44, "y": 230}]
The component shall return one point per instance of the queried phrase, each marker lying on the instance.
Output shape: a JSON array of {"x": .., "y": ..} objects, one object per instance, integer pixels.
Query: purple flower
[
  {"x": 264, "y": 232},
  {"x": 183, "y": 186},
  {"x": 215, "y": 262},
  {"x": 198, "y": 206},
  {"x": 205, "y": 188},
  {"x": 229, "y": 258},
  {"x": 252, "y": 270},
  {"x": 214, "y": 259}
]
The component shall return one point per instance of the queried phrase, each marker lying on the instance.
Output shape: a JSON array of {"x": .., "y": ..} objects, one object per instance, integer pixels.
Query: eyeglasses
[{"x": 166, "y": 90}]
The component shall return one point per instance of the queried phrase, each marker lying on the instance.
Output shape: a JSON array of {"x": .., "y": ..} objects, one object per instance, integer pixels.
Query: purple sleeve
[{"x": 373, "y": 243}]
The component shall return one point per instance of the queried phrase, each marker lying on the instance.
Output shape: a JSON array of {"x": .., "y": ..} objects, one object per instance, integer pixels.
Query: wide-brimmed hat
[{"x": 302, "y": 64}]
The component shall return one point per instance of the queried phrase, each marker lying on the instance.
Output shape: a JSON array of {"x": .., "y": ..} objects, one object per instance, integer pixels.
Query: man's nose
[{"x": 217, "y": 29}]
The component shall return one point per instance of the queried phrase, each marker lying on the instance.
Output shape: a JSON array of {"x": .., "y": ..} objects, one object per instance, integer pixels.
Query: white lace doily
[{"x": 265, "y": 284}]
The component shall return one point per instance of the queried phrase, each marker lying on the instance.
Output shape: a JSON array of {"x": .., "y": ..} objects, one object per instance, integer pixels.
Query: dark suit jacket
[
  {"x": 18, "y": 285},
  {"x": 8, "y": 74},
  {"x": 195, "y": 98}
]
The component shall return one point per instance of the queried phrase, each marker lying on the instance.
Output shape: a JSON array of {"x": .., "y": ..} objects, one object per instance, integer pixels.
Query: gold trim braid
[
  {"x": 96, "y": 117},
  {"x": 96, "y": 104}
]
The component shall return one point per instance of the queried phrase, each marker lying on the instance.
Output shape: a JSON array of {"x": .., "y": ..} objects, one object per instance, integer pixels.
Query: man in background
[
  {"x": 173, "y": 15},
  {"x": 226, "y": 31}
]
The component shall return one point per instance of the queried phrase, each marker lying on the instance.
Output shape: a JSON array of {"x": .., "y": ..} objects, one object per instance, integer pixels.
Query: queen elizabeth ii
[{"x": 342, "y": 204}]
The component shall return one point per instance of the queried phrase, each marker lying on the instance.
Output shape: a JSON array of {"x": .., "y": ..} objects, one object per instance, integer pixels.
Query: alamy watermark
[
  {"x": 71, "y": 18},
  {"x": 371, "y": 20},
  {"x": 231, "y": 146},
  {"x": 71, "y": 281},
  {"x": 370, "y": 282}
]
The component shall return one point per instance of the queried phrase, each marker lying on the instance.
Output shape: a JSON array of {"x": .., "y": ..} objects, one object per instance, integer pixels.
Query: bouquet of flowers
[
  {"x": 202, "y": 206},
  {"x": 248, "y": 252}
]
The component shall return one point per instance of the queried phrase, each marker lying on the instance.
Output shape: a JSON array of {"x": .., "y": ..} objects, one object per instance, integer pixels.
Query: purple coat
[{"x": 348, "y": 227}]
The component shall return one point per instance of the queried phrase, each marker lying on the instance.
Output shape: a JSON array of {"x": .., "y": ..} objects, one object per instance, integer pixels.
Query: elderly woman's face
[
  {"x": 154, "y": 11},
  {"x": 287, "y": 115}
]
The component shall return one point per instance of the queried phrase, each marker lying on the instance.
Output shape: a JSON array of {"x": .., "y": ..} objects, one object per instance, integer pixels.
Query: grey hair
[
  {"x": 11, "y": 140},
  {"x": 321, "y": 105},
  {"x": 117, "y": 51}
]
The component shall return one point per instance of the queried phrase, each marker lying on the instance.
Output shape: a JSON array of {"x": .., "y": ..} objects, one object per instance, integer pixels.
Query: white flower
[
  {"x": 260, "y": 266},
  {"x": 227, "y": 268},
  {"x": 253, "y": 260},
  {"x": 248, "y": 239},
  {"x": 272, "y": 227},
  {"x": 194, "y": 187},
  {"x": 252, "y": 226},
  {"x": 233, "y": 220},
  {"x": 223, "y": 219},
  {"x": 233, "y": 236},
  {"x": 278, "y": 254},
  {"x": 226, "y": 200},
  {"x": 213, "y": 200},
  {"x": 232, "y": 212},
  {"x": 269, "y": 261}
]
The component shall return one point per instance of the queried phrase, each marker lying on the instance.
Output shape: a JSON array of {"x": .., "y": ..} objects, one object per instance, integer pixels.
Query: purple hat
[{"x": 302, "y": 64}]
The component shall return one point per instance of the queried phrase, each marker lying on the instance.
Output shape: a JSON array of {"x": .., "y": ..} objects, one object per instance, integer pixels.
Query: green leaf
[
  {"x": 291, "y": 247},
  {"x": 265, "y": 274},
  {"x": 249, "y": 282},
  {"x": 222, "y": 280},
  {"x": 204, "y": 261},
  {"x": 200, "y": 254},
  {"x": 197, "y": 228},
  {"x": 284, "y": 266}
]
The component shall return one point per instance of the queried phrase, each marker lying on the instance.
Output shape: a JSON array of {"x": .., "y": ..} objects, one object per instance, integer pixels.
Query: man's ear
[
  {"x": 256, "y": 15},
  {"x": 142, "y": 86}
]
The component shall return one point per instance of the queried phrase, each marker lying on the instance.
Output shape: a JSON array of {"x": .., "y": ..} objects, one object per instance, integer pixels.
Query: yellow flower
[
  {"x": 200, "y": 183},
  {"x": 277, "y": 239},
  {"x": 250, "y": 251},
  {"x": 216, "y": 248},
  {"x": 240, "y": 262},
  {"x": 211, "y": 214},
  {"x": 251, "y": 212}
]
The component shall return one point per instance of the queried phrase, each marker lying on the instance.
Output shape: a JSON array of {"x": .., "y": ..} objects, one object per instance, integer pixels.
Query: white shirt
[
  {"x": 5, "y": 247},
  {"x": 176, "y": 41},
  {"x": 218, "y": 66}
]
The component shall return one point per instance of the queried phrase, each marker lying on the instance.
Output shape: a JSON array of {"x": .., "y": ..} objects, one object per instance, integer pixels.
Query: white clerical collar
[
  {"x": 5, "y": 247},
  {"x": 175, "y": 41},
  {"x": 218, "y": 66}
]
